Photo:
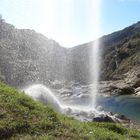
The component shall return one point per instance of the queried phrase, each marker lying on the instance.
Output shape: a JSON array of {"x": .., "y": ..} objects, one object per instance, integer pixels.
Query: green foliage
[
  {"x": 121, "y": 57},
  {"x": 21, "y": 117}
]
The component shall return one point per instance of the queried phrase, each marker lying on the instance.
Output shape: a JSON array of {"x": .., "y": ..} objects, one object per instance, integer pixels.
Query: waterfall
[
  {"x": 44, "y": 94},
  {"x": 40, "y": 92},
  {"x": 94, "y": 72},
  {"x": 94, "y": 62}
]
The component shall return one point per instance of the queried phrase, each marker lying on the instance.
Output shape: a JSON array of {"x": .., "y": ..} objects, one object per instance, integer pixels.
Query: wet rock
[
  {"x": 99, "y": 108},
  {"x": 75, "y": 85},
  {"x": 138, "y": 75},
  {"x": 123, "y": 91},
  {"x": 113, "y": 87},
  {"x": 138, "y": 93},
  {"x": 137, "y": 89},
  {"x": 104, "y": 118},
  {"x": 122, "y": 117},
  {"x": 110, "y": 113},
  {"x": 119, "y": 87},
  {"x": 137, "y": 83},
  {"x": 83, "y": 113},
  {"x": 127, "y": 90},
  {"x": 68, "y": 111},
  {"x": 91, "y": 115},
  {"x": 57, "y": 85},
  {"x": 117, "y": 77},
  {"x": 116, "y": 92}
]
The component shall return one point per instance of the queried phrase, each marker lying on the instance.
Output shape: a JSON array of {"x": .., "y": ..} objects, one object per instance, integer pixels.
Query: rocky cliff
[
  {"x": 26, "y": 56},
  {"x": 29, "y": 57},
  {"x": 120, "y": 53}
]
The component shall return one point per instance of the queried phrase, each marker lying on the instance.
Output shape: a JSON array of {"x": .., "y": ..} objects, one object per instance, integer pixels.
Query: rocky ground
[
  {"x": 77, "y": 94},
  {"x": 129, "y": 85}
]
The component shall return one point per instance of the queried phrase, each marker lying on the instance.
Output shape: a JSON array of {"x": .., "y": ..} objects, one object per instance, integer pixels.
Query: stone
[
  {"x": 137, "y": 90},
  {"x": 138, "y": 75},
  {"x": 123, "y": 91},
  {"x": 137, "y": 84},
  {"x": 110, "y": 113},
  {"x": 121, "y": 118},
  {"x": 127, "y": 91},
  {"x": 99, "y": 108},
  {"x": 116, "y": 92},
  {"x": 104, "y": 118},
  {"x": 138, "y": 93},
  {"x": 67, "y": 111}
]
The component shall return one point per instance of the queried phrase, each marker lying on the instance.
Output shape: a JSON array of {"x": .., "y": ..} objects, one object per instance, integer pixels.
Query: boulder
[
  {"x": 116, "y": 92},
  {"x": 138, "y": 75},
  {"x": 123, "y": 91},
  {"x": 67, "y": 110},
  {"x": 127, "y": 90},
  {"x": 138, "y": 93},
  {"x": 104, "y": 118},
  {"x": 137, "y": 83},
  {"x": 137, "y": 90},
  {"x": 100, "y": 108},
  {"x": 121, "y": 118}
]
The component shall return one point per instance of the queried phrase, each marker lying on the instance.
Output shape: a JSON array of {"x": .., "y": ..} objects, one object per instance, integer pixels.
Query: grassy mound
[{"x": 23, "y": 118}]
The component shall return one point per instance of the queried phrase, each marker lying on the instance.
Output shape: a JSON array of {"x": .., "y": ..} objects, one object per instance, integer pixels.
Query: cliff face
[
  {"x": 27, "y": 57},
  {"x": 123, "y": 57},
  {"x": 122, "y": 54},
  {"x": 119, "y": 53}
]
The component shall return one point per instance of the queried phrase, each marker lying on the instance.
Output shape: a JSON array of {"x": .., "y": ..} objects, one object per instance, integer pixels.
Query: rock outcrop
[
  {"x": 120, "y": 53},
  {"x": 28, "y": 57}
]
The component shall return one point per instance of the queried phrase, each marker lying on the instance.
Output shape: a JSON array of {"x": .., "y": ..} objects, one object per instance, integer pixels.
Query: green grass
[{"x": 23, "y": 118}]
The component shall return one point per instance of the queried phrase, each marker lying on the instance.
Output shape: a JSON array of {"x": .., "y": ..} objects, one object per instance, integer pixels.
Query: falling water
[
  {"x": 44, "y": 94},
  {"x": 95, "y": 52},
  {"x": 40, "y": 92},
  {"x": 94, "y": 73}
]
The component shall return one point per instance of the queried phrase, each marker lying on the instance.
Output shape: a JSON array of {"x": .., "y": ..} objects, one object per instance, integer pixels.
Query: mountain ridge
[
  {"x": 28, "y": 57},
  {"x": 108, "y": 47}
]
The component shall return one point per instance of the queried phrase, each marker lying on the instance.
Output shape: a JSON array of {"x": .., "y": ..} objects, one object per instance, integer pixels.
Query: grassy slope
[{"x": 21, "y": 117}]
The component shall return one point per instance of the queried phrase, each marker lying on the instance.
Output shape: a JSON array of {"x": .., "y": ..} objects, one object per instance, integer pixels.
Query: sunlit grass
[{"x": 22, "y": 117}]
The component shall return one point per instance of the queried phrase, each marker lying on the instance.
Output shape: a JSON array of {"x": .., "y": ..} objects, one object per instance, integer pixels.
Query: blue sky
[{"x": 71, "y": 22}]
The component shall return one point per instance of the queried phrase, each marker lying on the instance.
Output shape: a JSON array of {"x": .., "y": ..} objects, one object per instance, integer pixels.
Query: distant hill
[
  {"x": 120, "y": 52},
  {"x": 28, "y": 57}
]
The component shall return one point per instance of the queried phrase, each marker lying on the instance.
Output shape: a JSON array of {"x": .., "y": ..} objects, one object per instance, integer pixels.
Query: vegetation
[
  {"x": 131, "y": 51},
  {"x": 23, "y": 118},
  {"x": 123, "y": 57}
]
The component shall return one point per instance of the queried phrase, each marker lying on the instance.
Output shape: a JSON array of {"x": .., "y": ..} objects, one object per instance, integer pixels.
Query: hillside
[
  {"x": 27, "y": 57},
  {"x": 123, "y": 54},
  {"x": 119, "y": 53},
  {"x": 23, "y": 118}
]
